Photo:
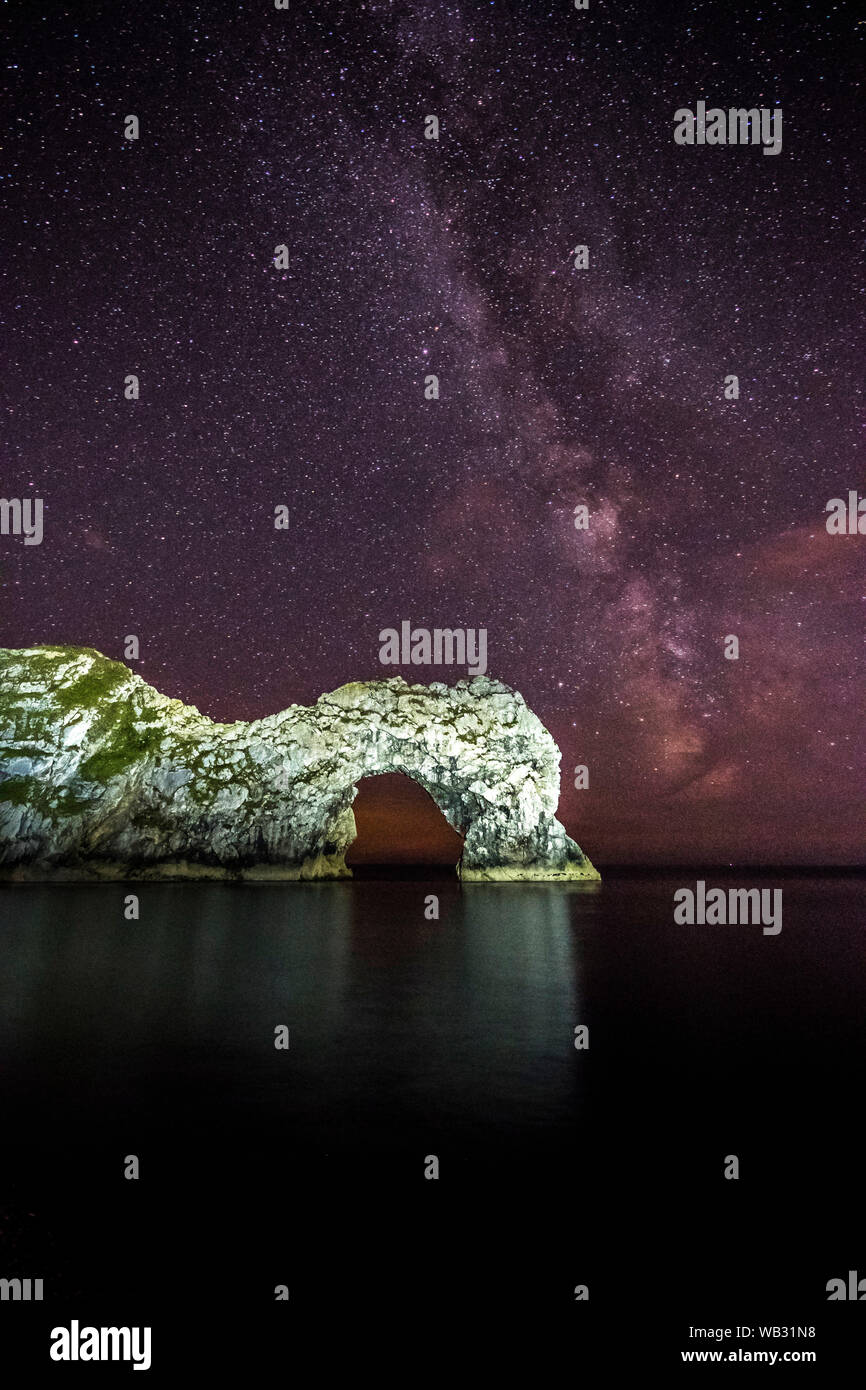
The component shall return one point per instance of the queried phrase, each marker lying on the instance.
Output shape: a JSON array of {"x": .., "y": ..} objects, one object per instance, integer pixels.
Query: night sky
[{"x": 559, "y": 386}]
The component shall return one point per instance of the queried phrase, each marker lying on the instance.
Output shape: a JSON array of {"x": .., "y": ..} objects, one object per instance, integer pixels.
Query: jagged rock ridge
[{"x": 102, "y": 776}]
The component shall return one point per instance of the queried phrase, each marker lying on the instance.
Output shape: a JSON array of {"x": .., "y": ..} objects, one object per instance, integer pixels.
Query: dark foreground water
[{"x": 411, "y": 1038}]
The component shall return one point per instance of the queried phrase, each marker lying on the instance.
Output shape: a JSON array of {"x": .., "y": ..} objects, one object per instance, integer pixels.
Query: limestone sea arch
[{"x": 102, "y": 776}]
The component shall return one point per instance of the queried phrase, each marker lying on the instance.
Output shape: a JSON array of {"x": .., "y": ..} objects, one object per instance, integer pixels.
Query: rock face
[{"x": 102, "y": 776}]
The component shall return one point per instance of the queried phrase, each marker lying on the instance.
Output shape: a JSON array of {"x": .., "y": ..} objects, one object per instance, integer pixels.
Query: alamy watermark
[
  {"x": 736, "y": 126},
  {"x": 846, "y": 519},
  {"x": 22, "y": 517},
  {"x": 443, "y": 646},
  {"x": 21, "y": 1290},
  {"x": 76, "y": 1343},
  {"x": 736, "y": 907},
  {"x": 854, "y": 1290}
]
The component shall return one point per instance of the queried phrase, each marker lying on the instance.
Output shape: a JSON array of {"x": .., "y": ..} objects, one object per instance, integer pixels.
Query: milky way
[{"x": 558, "y": 386}]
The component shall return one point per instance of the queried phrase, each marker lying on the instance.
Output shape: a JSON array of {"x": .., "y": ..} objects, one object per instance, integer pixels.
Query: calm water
[{"x": 411, "y": 1038}]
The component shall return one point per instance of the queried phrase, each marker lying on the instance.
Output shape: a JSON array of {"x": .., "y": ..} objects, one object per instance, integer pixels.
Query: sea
[{"x": 256, "y": 1115}]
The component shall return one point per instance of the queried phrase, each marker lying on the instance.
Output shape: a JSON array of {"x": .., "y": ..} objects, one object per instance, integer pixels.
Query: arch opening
[{"x": 399, "y": 825}]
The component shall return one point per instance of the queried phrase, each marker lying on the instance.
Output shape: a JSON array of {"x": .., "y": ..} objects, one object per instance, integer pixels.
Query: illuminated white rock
[{"x": 123, "y": 781}]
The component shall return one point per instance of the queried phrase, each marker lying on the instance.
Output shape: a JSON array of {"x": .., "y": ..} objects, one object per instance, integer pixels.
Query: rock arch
[{"x": 102, "y": 775}]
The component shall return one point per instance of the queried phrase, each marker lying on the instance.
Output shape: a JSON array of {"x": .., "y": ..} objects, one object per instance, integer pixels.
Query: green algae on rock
[{"x": 101, "y": 776}]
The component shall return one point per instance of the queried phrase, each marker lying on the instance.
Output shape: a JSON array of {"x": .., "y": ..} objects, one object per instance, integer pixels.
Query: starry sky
[{"x": 558, "y": 387}]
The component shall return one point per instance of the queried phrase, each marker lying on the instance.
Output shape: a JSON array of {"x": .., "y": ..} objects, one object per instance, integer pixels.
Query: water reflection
[{"x": 396, "y": 1021}]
